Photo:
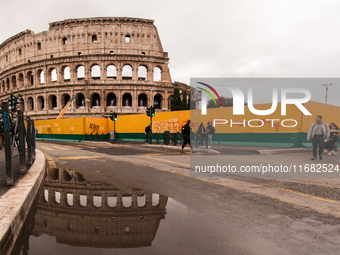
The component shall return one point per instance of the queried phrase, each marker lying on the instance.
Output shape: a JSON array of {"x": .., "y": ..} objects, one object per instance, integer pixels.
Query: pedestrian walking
[
  {"x": 210, "y": 131},
  {"x": 186, "y": 130},
  {"x": 331, "y": 146},
  {"x": 147, "y": 133},
  {"x": 320, "y": 133},
  {"x": 201, "y": 133}
]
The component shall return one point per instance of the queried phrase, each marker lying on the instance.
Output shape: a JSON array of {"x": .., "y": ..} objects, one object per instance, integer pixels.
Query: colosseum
[{"x": 102, "y": 64}]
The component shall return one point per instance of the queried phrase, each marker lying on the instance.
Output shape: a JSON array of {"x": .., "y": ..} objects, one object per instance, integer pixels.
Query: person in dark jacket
[
  {"x": 201, "y": 131},
  {"x": 147, "y": 133},
  {"x": 186, "y": 130},
  {"x": 210, "y": 131}
]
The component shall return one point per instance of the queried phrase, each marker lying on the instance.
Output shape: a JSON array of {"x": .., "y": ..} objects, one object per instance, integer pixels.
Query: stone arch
[
  {"x": 54, "y": 173},
  {"x": 142, "y": 73},
  {"x": 20, "y": 80},
  {"x": 80, "y": 72},
  {"x": 127, "y": 100},
  {"x": 142, "y": 100},
  {"x": 3, "y": 88},
  {"x": 14, "y": 82},
  {"x": 29, "y": 77},
  {"x": 40, "y": 103},
  {"x": 7, "y": 85},
  {"x": 64, "y": 99},
  {"x": 111, "y": 71},
  {"x": 157, "y": 74},
  {"x": 157, "y": 101},
  {"x": 66, "y": 71},
  {"x": 169, "y": 102},
  {"x": 80, "y": 101},
  {"x": 127, "y": 72},
  {"x": 52, "y": 75},
  {"x": 95, "y": 72},
  {"x": 22, "y": 104},
  {"x": 52, "y": 102},
  {"x": 95, "y": 100},
  {"x": 41, "y": 76},
  {"x": 111, "y": 100},
  {"x": 30, "y": 104}
]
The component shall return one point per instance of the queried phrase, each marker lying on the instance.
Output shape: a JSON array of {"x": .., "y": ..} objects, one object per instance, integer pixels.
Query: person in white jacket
[{"x": 320, "y": 132}]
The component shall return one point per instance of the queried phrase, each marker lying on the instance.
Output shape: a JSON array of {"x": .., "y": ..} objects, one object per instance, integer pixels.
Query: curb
[
  {"x": 15, "y": 204},
  {"x": 278, "y": 151}
]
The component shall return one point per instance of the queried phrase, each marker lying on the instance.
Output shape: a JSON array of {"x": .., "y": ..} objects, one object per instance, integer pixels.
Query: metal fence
[{"x": 17, "y": 137}]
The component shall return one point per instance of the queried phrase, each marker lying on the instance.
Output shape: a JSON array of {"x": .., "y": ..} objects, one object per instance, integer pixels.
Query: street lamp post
[{"x": 326, "y": 95}]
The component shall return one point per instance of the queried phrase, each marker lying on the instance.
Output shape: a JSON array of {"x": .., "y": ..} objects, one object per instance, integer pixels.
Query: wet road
[{"x": 195, "y": 216}]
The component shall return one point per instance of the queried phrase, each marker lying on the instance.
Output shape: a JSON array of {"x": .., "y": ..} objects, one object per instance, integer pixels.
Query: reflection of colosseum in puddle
[{"x": 95, "y": 214}]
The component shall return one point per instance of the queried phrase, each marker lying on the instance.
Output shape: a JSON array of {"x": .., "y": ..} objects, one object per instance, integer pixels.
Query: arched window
[
  {"x": 41, "y": 76},
  {"x": 127, "y": 72},
  {"x": 14, "y": 82},
  {"x": 80, "y": 72},
  {"x": 22, "y": 105},
  {"x": 142, "y": 73},
  {"x": 94, "y": 38},
  {"x": 95, "y": 72},
  {"x": 21, "y": 80},
  {"x": 67, "y": 73},
  {"x": 64, "y": 100},
  {"x": 111, "y": 72},
  {"x": 157, "y": 101},
  {"x": 40, "y": 103},
  {"x": 54, "y": 75},
  {"x": 127, "y": 100},
  {"x": 52, "y": 102},
  {"x": 142, "y": 100},
  {"x": 157, "y": 74},
  {"x": 80, "y": 100},
  {"x": 64, "y": 41},
  {"x": 111, "y": 100},
  {"x": 30, "y": 104},
  {"x": 39, "y": 46},
  {"x": 95, "y": 100},
  {"x": 7, "y": 84}
]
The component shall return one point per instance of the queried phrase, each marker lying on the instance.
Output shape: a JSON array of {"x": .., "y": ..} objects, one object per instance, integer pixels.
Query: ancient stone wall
[{"x": 107, "y": 64}]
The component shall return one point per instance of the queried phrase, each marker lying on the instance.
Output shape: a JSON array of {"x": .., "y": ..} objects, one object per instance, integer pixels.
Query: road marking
[
  {"x": 46, "y": 148},
  {"x": 86, "y": 146},
  {"x": 79, "y": 157},
  {"x": 51, "y": 162},
  {"x": 155, "y": 154},
  {"x": 61, "y": 148},
  {"x": 75, "y": 147},
  {"x": 169, "y": 161},
  {"x": 302, "y": 194}
]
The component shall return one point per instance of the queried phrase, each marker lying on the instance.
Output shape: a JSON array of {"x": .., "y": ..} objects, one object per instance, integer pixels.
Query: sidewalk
[{"x": 15, "y": 169}]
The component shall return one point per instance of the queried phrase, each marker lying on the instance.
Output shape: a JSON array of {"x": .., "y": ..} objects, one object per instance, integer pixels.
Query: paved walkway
[{"x": 15, "y": 169}]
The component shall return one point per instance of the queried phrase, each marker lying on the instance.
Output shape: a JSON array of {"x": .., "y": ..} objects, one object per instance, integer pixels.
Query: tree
[
  {"x": 226, "y": 102},
  {"x": 176, "y": 101},
  {"x": 184, "y": 103}
]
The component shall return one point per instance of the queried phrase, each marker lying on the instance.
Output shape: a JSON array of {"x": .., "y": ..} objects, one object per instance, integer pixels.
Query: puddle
[{"x": 76, "y": 216}]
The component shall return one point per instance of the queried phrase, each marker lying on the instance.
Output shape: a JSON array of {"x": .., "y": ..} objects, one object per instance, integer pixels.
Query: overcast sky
[{"x": 230, "y": 38}]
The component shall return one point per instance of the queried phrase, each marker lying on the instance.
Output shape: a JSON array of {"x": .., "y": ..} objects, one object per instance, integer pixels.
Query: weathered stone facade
[{"x": 108, "y": 64}]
